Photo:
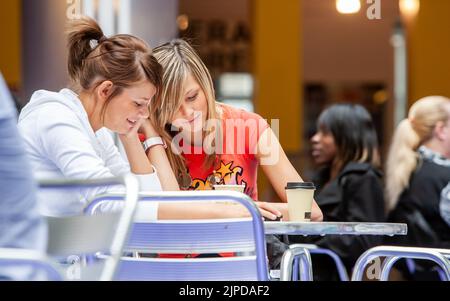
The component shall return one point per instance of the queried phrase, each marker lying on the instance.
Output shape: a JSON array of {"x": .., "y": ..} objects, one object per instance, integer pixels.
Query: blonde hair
[
  {"x": 179, "y": 60},
  {"x": 410, "y": 134}
]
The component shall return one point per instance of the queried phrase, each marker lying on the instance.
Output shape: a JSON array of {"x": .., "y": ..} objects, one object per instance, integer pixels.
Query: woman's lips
[
  {"x": 131, "y": 123},
  {"x": 196, "y": 116},
  {"x": 316, "y": 152}
]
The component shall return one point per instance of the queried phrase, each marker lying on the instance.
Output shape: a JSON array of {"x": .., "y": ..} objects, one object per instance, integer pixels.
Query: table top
[{"x": 335, "y": 228}]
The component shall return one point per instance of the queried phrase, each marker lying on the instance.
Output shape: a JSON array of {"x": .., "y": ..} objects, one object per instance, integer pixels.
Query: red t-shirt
[{"x": 236, "y": 162}]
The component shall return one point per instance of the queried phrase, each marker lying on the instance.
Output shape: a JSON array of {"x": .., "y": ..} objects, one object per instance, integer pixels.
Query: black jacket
[
  {"x": 356, "y": 195},
  {"x": 418, "y": 206}
]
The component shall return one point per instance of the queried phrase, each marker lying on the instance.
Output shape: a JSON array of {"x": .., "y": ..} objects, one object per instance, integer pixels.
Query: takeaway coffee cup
[
  {"x": 238, "y": 188},
  {"x": 300, "y": 197}
]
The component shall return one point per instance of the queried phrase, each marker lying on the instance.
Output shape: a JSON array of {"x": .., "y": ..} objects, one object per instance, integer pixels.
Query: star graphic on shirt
[{"x": 224, "y": 170}]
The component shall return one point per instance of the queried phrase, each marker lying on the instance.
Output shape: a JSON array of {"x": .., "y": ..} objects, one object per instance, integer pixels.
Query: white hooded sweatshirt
[{"x": 62, "y": 144}]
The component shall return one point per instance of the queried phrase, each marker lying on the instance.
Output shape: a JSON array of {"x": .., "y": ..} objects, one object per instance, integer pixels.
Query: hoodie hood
[{"x": 65, "y": 97}]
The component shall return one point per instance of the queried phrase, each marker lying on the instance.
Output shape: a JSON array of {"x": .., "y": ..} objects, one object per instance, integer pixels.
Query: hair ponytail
[
  {"x": 401, "y": 161},
  {"x": 125, "y": 60},
  {"x": 80, "y": 35}
]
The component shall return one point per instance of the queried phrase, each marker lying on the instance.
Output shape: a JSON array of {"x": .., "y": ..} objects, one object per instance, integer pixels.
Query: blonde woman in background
[{"x": 418, "y": 169}]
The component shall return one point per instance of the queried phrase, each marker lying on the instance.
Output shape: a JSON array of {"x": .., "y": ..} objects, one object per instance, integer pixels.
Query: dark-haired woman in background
[{"x": 350, "y": 187}]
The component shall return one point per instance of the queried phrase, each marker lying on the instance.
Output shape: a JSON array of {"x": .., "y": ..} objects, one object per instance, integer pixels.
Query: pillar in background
[
  {"x": 10, "y": 31},
  {"x": 277, "y": 67},
  {"x": 429, "y": 37},
  {"x": 43, "y": 50},
  {"x": 154, "y": 20}
]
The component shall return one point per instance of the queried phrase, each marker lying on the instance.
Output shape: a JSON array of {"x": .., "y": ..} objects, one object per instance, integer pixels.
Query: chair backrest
[
  {"x": 35, "y": 265},
  {"x": 243, "y": 237},
  {"x": 393, "y": 254},
  {"x": 83, "y": 235},
  {"x": 314, "y": 249}
]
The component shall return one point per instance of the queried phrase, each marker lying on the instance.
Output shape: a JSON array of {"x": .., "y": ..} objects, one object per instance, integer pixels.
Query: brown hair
[{"x": 122, "y": 59}]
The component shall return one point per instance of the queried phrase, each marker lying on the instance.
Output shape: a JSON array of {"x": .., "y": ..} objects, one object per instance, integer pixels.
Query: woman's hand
[
  {"x": 148, "y": 129},
  {"x": 316, "y": 213},
  {"x": 269, "y": 211},
  {"x": 133, "y": 133}
]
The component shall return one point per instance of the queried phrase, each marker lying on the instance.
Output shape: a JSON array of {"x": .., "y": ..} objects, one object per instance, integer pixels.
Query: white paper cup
[
  {"x": 300, "y": 197},
  {"x": 238, "y": 188}
]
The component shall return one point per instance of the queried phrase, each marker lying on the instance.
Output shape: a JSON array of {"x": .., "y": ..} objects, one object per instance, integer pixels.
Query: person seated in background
[
  {"x": 418, "y": 170},
  {"x": 349, "y": 183},
  {"x": 21, "y": 226},
  {"x": 115, "y": 80}
]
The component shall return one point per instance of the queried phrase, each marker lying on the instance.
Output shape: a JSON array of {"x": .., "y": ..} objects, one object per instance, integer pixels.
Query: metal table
[
  {"x": 334, "y": 228},
  {"x": 301, "y": 253}
]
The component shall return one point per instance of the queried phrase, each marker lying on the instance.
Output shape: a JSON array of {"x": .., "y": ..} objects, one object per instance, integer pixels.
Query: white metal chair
[
  {"x": 244, "y": 237},
  {"x": 71, "y": 238},
  {"x": 393, "y": 254},
  {"x": 313, "y": 249},
  {"x": 40, "y": 266},
  {"x": 296, "y": 262}
]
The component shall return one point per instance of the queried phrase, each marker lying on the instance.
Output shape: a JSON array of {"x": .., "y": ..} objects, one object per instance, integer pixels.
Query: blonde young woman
[
  {"x": 418, "y": 170},
  {"x": 114, "y": 81},
  {"x": 211, "y": 143}
]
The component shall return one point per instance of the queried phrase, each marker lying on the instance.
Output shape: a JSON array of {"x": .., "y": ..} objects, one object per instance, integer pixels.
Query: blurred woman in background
[
  {"x": 350, "y": 187},
  {"x": 418, "y": 170}
]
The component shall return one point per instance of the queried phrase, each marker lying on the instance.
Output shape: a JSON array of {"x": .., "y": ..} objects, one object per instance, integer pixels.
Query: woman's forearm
[
  {"x": 139, "y": 163},
  {"x": 181, "y": 211},
  {"x": 158, "y": 158},
  {"x": 281, "y": 171}
]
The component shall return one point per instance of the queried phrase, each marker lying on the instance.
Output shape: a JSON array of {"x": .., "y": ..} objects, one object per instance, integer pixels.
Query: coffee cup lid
[{"x": 300, "y": 185}]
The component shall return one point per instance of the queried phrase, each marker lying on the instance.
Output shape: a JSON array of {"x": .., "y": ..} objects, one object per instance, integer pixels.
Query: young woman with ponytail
[
  {"x": 418, "y": 170},
  {"x": 66, "y": 133}
]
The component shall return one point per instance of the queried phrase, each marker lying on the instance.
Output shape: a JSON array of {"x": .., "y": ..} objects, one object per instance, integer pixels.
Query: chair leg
[{"x": 289, "y": 266}]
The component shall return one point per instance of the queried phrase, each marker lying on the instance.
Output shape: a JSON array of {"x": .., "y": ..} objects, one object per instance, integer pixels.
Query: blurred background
[{"x": 285, "y": 59}]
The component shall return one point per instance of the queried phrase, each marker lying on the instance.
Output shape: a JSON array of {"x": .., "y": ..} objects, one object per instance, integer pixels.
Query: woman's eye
[
  {"x": 137, "y": 104},
  {"x": 192, "y": 98}
]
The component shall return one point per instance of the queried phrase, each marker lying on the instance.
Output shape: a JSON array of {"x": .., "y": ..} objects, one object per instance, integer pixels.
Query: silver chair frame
[
  {"x": 295, "y": 254},
  {"x": 313, "y": 249},
  {"x": 393, "y": 254},
  {"x": 33, "y": 258},
  {"x": 125, "y": 220}
]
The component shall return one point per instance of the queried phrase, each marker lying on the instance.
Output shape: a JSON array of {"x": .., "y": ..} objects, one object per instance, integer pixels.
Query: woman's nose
[
  {"x": 186, "y": 112},
  {"x": 315, "y": 138}
]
